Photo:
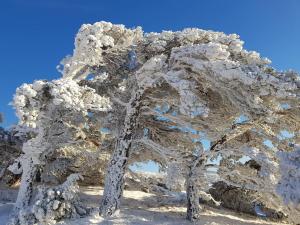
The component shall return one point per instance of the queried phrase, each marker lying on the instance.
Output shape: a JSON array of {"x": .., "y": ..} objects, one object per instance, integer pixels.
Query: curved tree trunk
[
  {"x": 114, "y": 180},
  {"x": 32, "y": 150},
  {"x": 25, "y": 191}
]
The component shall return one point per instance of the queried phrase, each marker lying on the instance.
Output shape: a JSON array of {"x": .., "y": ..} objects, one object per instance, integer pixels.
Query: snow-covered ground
[{"x": 140, "y": 208}]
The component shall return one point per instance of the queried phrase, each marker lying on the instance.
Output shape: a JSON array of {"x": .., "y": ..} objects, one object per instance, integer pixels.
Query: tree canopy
[{"x": 193, "y": 101}]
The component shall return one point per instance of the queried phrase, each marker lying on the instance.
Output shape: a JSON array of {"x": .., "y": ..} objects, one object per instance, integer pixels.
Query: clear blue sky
[{"x": 36, "y": 34}]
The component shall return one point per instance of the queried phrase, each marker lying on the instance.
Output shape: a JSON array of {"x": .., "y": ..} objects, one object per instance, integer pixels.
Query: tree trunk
[
  {"x": 193, "y": 191},
  {"x": 193, "y": 205},
  {"x": 25, "y": 191},
  {"x": 114, "y": 180}
]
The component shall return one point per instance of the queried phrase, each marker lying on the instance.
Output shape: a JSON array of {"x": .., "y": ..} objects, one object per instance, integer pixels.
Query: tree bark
[
  {"x": 26, "y": 189},
  {"x": 114, "y": 180},
  {"x": 193, "y": 193},
  {"x": 193, "y": 205}
]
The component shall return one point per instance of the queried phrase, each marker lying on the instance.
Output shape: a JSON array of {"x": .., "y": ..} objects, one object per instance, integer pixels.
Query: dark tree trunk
[
  {"x": 193, "y": 190},
  {"x": 114, "y": 180}
]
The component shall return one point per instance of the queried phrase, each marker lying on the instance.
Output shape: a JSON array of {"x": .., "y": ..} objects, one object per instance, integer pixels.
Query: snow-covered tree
[
  {"x": 56, "y": 112},
  {"x": 193, "y": 98},
  {"x": 289, "y": 184}
]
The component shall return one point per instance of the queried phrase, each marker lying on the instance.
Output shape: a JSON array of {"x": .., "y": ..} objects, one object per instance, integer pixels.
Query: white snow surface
[{"x": 140, "y": 208}]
